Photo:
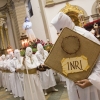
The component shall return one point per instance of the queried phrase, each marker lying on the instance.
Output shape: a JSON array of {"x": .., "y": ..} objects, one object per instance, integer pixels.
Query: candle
[{"x": 22, "y": 43}]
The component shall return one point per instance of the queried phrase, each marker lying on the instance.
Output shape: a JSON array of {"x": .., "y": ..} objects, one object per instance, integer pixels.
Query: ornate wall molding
[
  {"x": 72, "y": 11},
  {"x": 72, "y": 8},
  {"x": 95, "y": 15},
  {"x": 12, "y": 9},
  {"x": 18, "y": 2},
  {"x": 19, "y": 14},
  {"x": 94, "y": 10},
  {"x": 49, "y": 3}
]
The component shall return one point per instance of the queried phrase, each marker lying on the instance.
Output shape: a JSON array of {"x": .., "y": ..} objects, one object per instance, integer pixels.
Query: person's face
[
  {"x": 7, "y": 57},
  {"x": 40, "y": 48},
  {"x": 3, "y": 57},
  {"x": 17, "y": 54},
  {"x": 59, "y": 32},
  {"x": 26, "y": 19},
  {"x": 11, "y": 56},
  {"x": 30, "y": 53}
]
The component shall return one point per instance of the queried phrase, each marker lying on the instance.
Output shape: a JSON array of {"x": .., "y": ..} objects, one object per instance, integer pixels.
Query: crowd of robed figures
[{"x": 19, "y": 75}]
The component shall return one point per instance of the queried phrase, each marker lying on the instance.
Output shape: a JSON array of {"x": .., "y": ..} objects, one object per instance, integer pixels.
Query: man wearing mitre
[
  {"x": 27, "y": 26},
  {"x": 86, "y": 89},
  {"x": 32, "y": 87}
]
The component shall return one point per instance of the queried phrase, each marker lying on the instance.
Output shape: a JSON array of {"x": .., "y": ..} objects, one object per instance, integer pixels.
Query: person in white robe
[
  {"x": 12, "y": 74},
  {"x": 86, "y": 89},
  {"x": 62, "y": 79},
  {"x": 4, "y": 67},
  {"x": 7, "y": 73},
  {"x": 47, "y": 78},
  {"x": 32, "y": 86},
  {"x": 1, "y": 72},
  {"x": 18, "y": 75},
  {"x": 27, "y": 26}
]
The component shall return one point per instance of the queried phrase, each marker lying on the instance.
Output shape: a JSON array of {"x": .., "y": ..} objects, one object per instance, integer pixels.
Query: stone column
[
  {"x": 95, "y": 16},
  {"x": 18, "y": 16},
  {"x": 86, "y": 19},
  {"x": 2, "y": 38},
  {"x": 10, "y": 14},
  {"x": 8, "y": 43},
  {"x": 20, "y": 13},
  {"x": 44, "y": 19}
]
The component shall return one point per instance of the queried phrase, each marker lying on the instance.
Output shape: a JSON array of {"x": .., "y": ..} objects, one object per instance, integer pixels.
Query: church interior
[{"x": 15, "y": 16}]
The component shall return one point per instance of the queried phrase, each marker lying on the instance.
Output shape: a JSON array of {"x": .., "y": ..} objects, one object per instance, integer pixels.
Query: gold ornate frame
[
  {"x": 72, "y": 11},
  {"x": 5, "y": 30}
]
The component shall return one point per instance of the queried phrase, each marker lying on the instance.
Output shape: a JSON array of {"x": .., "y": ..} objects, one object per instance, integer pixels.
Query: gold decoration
[
  {"x": 81, "y": 19},
  {"x": 2, "y": 37},
  {"x": 98, "y": 7},
  {"x": 72, "y": 11},
  {"x": 3, "y": 16},
  {"x": 8, "y": 42},
  {"x": 49, "y": 2}
]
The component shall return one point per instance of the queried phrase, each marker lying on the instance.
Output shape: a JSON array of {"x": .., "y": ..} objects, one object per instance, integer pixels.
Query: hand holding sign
[{"x": 83, "y": 83}]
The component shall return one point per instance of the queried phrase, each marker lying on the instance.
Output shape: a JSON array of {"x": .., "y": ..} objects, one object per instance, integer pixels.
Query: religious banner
[
  {"x": 74, "y": 65},
  {"x": 73, "y": 55}
]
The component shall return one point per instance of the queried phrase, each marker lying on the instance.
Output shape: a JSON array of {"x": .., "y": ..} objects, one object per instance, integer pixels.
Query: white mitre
[{"x": 61, "y": 21}]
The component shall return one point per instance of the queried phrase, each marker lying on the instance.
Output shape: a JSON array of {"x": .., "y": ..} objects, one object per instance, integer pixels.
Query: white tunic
[
  {"x": 0, "y": 78},
  {"x": 7, "y": 77},
  {"x": 91, "y": 92},
  {"x": 27, "y": 26},
  {"x": 1, "y": 73},
  {"x": 46, "y": 77},
  {"x": 32, "y": 86},
  {"x": 19, "y": 78},
  {"x": 62, "y": 20},
  {"x": 12, "y": 76},
  {"x": 7, "y": 81},
  {"x": 4, "y": 74},
  {"x": 62, "y": 78}
]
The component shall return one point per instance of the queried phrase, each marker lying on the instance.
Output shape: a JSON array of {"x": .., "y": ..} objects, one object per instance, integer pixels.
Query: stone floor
[{"x": 60, "y": 95}]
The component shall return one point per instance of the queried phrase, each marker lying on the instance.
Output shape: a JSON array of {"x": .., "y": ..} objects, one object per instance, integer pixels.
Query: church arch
[{"x": 73, "y": 11}]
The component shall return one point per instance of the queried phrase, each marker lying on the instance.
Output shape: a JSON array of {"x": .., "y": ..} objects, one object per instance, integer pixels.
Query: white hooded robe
[
  {"x": 32, "y": 87},
  {"x": 92, "y": 92},
  {"x": 47, "y": 78}
]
